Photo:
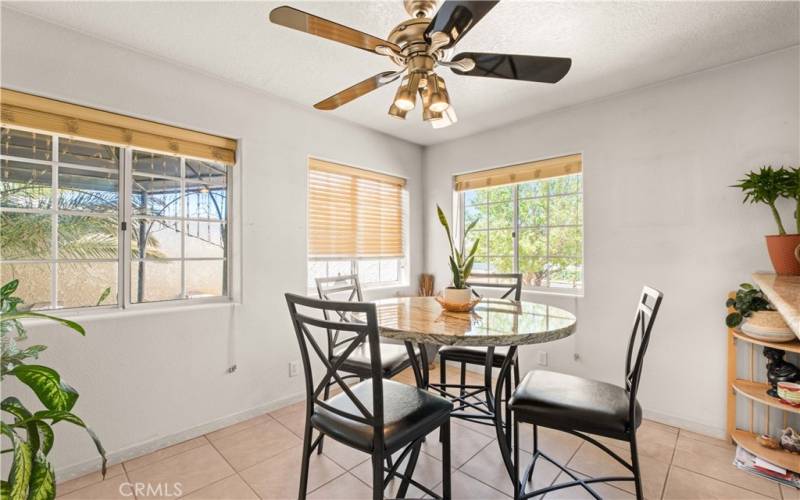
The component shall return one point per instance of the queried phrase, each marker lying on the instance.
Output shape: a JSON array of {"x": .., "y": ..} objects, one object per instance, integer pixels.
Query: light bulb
[
  {"x": 405, "y": 100},
  {"x": 397, "y": 112}
]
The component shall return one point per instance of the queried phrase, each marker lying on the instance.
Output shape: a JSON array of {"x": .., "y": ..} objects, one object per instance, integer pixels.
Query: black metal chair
[
  {"x": 394, "y": 357},
  {"x": 578, "y": 405},
  {"x": 509, "y": 283},
  {"x": 376, "y": 416}
]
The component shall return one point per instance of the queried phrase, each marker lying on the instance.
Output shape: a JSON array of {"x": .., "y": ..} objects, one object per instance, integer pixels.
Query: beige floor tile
[
  {"x": 344, "y": 487},
  {"x": 77, "y": 483},
  {"x": 256, "y": 444},
  {"x": 191, "y": 469},
  {"x": 559, "y": 446},
  {"x": 156, "y": 456},
  {"x": 654, "y": 440},
  {"x": 790, "y": 493},
  {"x": 279, "y": 476},
  {"x": 464, "y": 444},
  {"x": 465, "y": 487},
  {"x": 593, "y": 462},
  {"x": 717, "y": 462},
  {"x": 487, "y": 467},
  {"x": 722, "y": 443},
  {"x": 238, "y": 427},
  {"x": 293, "y": 417},
  {"x": 686, "y": 485},
  {"x": 427, "y": 472},
  {"x": 344, "y": 456},
  {"x": 230, "y": 488},
  {"x": 607, "y": 491},
  {"x": 110, "y": 488},
  {"x": 486, "y": 430}
]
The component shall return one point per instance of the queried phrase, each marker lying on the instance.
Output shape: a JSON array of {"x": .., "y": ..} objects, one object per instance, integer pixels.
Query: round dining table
[{"x": 491, "y": 323}]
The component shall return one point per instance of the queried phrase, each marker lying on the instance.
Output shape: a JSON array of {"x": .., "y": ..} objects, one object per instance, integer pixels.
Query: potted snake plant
[
  {"x": 767, "y": 186},
  {"x": 461, "y": 262}
]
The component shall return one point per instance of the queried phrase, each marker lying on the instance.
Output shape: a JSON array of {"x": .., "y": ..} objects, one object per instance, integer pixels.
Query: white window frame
[
  {"x": 125, "y": 218},
  {"x": 402, "y": 272},
  {"x": 577, "y": 291}
]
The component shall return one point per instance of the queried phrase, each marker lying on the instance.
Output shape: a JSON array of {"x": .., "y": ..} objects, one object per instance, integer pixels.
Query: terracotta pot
[
  {"x": 458, "y": 295},
  {"x": 782, "y": 251}
]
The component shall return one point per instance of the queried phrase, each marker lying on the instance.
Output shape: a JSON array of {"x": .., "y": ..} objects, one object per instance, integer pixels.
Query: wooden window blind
[
  {"x": 354, "y": 213},
  {"x": 29, "y": 111},
  {"x": 523, "y": 172}
]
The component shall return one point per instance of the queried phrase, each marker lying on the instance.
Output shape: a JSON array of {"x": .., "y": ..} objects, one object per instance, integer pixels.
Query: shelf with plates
[
  {"x": 784, "y": 293},
  {"x": 757, "y": 391},
  {"x": 781, "y": 458}
]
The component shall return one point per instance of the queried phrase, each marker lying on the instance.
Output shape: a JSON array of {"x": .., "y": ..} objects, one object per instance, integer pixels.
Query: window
[
  {"x": 529, "y": 220},
  {"x": 356, "y": 224},
  {"x": 85, "y": 223}
]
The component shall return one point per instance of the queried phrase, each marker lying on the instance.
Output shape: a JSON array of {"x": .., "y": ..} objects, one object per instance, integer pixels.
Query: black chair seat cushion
[
  {"x": 394, "y": 359},
  {"x": 408, "y": 414},
  {"x": 566, "y": 402},
  {"x": 473, "y": 355}
]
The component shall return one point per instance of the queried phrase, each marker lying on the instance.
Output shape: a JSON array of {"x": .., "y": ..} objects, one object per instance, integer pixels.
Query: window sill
[
  {"x": 554, "y": 292},
  {"x": 113, "y": 312}
]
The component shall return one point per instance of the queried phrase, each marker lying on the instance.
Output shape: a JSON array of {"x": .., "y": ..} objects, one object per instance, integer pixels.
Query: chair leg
[
  {"x": 409, "y": 473},
  {"x": 322, "y": 438},
  {"x": 445, "y": 433},
  {"x": 517, "y": 485},
  {"x": 535, "y": 450},
  {"x": 442, "y": 380},
  {"x": 307, "y": 434},
  {"x": 508, "y": 412},
  {"x": 377, "y": 476},
  {"x": 463, "y": 378},
  {"x": 637, "y": 477}
]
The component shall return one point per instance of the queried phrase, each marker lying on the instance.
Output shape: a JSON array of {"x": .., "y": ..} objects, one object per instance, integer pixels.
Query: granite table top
[
  {"x": 493, "y": 322},
  {"x": 784, "y": 293}
]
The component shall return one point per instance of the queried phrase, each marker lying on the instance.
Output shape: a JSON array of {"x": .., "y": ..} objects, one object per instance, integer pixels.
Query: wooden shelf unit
[
  {"x": 781, "y": 458},
  {"x": 756, "y": 393}
]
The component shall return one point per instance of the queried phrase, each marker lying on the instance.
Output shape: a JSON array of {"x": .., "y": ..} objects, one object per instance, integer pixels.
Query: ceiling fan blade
[
  {"x": 455, "y": 18},
  {"x": 357, "y": 90},
  {"x": 313, "y": 25},
  {"x": 516, "y": 67}
]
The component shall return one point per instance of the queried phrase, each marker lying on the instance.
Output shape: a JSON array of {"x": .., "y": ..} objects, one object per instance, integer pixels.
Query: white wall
[
  {"x": 146, "y": 376},
  {"x": 658, "y": 210}
]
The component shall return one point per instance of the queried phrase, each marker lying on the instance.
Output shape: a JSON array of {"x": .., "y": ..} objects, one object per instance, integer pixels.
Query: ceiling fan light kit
[{"x": 418, "y": 45}]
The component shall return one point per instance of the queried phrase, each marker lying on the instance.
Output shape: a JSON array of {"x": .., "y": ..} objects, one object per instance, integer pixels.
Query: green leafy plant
[
  {"x": 766, "y": 186},
  {"x": 460, "y": 261},
  {"x": 30, "y": 433},
  {"x": 748, "y": 300},
  {"x": 792, "y": 191}
]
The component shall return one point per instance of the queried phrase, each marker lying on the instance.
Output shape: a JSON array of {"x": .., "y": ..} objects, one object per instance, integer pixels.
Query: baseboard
[
  {"x": 133, "y": 451},
  {"x": 686, "y": 424}
]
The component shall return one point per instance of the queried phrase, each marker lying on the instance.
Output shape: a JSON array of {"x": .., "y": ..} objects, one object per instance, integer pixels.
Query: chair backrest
[
  {"x": 326, "y": 287},
  {"x": 511, "y": 282},
  {"x": 310, "y": 328},
  {"x": 339, "y": 285},
  {"x": 646, "y": 311}
]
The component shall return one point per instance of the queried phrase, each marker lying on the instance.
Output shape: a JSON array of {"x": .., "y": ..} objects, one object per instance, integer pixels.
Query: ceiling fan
[{"x": 418, "y": 46}]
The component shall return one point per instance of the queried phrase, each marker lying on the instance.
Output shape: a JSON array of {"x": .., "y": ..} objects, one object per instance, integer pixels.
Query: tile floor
[{"x": 260, "y": 458}]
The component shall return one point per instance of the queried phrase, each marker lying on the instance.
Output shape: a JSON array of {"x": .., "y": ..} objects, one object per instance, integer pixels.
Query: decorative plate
[
  {"x": 769, "y": 326},
  {"x": 453, "y": 307}
]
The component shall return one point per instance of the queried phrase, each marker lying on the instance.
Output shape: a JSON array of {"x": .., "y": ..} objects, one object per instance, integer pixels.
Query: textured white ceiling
[{"x": 615, "y": 46}]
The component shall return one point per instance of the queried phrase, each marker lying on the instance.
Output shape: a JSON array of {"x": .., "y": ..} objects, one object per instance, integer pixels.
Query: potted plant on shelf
[
  {"x": 460, "y": 263},
  {"x": 767, "y": 186},
  {"x": 30, "y": 434}
]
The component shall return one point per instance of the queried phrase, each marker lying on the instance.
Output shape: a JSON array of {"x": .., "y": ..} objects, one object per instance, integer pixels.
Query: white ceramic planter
[{"x": 457, "y": 295}]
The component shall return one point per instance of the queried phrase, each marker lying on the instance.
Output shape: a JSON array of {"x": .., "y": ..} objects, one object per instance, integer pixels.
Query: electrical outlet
[
  {"x": 294, "y": 367},
  {"x": 542, "y": 358}
]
